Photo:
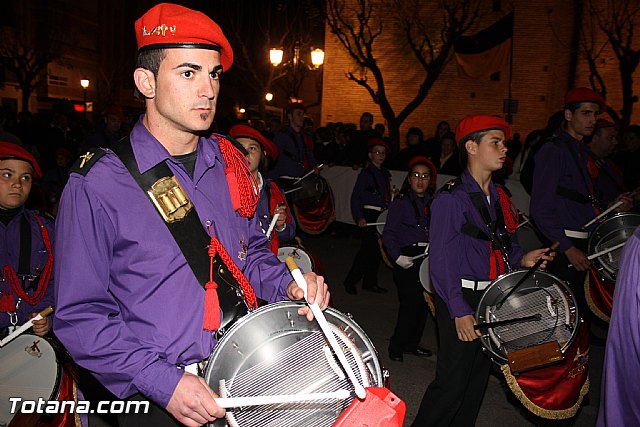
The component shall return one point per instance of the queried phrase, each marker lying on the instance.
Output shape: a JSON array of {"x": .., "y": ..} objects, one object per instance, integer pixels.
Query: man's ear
[
  {"x": 568, "y": 115},
  {"x": 145, "y": 82},
  {"x": 471, "y": 146}
]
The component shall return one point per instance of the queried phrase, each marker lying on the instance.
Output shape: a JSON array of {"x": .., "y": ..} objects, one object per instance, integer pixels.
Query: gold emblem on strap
[{"x": 170, "y": 199}]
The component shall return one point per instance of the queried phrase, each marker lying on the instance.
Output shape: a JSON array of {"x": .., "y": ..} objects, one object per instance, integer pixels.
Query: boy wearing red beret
[{"x": 463, "y": 264}]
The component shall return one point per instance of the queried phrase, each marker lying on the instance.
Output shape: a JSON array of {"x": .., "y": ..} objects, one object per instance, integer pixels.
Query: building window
[{"x": 58, "y": 80}]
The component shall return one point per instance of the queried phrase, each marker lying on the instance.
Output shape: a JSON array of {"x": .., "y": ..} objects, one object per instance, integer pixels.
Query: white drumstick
[
  {"x": 603, "y": 252},
  {"x": 324, "y": 325},
  {"x": 308, "y": 173},
  {"x": 374, "y": 223},
  {"x": 292, "y": 190},
  {"x": 612, "y": 207},
  {"x": 272, "y": 225},
  {"x": 237, "y": 402},
  {"x": 28, "y": 324},
  {"x": 523, "y": 223}
]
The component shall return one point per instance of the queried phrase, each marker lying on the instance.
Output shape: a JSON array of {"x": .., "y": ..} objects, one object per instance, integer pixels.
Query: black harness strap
[{"x": 192, "y": 239}]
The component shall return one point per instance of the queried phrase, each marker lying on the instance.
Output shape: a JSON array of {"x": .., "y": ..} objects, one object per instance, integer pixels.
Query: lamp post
[
  {"x": 296, "y": 65},
  {"x": 85, "y": 84}
]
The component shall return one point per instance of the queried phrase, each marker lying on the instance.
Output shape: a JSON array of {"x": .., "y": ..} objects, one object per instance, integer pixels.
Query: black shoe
[
  {"x": 421, "y": 352},
  {"x": 377, "y": 289},
  {"x": 395, "y": 356},
  {"x": 351, "y": 290}
]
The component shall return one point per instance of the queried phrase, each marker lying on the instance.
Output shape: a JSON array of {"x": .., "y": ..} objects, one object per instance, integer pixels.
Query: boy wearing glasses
[
  {"x": 406, "y": 237},
  {"x": 371, "y": 195},
  {"x": 472, "y": 242}
]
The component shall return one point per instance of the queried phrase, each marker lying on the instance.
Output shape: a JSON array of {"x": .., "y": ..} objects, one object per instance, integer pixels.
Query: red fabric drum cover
[
  {"x": 555, "y": 392},
  {"x": 315, "y": 211},
  {"x": 598, "y": 291}
]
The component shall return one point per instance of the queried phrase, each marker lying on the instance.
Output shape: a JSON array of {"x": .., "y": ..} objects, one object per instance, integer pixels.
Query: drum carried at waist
[
  {"x": 31, "y": 369},
  {"x": 538, "y": 340},
  {"x": 275, "y": 351},
  {"x": 311, "y": 201},
  {"x": 605, "y": 247}
]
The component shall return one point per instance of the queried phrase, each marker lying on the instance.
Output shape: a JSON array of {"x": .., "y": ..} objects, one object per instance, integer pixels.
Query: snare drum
[
  {"x": 300, "y": 256},
  {"x": 425, "y": 279},
  {"x": 543, "y": 294},
  {"x": 611, "y": 232},
  {"x": 29, "y": 369},
  {"x": 274, "y": 350},
  {"x": 380, "y": 221}
]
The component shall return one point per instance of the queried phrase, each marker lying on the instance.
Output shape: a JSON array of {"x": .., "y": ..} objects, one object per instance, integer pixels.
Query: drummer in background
[
  {"x": 564, "y": 196},
  {"x": 295, "y": 147},
  {"x": 272, "y": 201},
  {"x": 607, "y": 176},
  {"x": 619, "y": 403},
  {"x": 26, "y": 258},
  {"x": 406, "y": 235},
  {"x": 132, "y": 310},
  {"x": 370, "y": 196},
  {"x": 464, "y": 259}
]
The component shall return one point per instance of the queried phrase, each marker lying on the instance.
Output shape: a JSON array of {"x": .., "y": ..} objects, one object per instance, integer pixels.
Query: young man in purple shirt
[
  {"x": 463, "y": 265},
  {"x": 131, "y": 310}
]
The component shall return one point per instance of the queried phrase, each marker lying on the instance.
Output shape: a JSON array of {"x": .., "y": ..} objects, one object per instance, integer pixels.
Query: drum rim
[
  {"x": 299, "y": 248},
  {"x": 600, "y": 266},
  {"x": 502, "y": 359}
]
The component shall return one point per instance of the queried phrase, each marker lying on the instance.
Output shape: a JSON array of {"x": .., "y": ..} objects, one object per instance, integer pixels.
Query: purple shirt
[
  {"x": 619, "y": 401},
  {"x": 407, "y": 223},
  {"x": 371, "y": 188},
  {"x": 10, "y": 254},
  {"x": 264, "y": 215},
  {"x": 555, "y": 166},
  {"x": 455, "y": 255},
  {"x": 292, "y": 151},
  {"x": 131, "y": 309}
]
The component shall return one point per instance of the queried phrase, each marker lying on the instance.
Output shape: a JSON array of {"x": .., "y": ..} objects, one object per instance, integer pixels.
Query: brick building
[{"x": 546, "y": 63}]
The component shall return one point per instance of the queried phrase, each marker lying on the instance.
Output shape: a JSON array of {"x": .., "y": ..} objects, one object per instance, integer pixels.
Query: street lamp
[
  {"x": 297, "y": 65},
  {"x": 268, "y": 96},
  {"x": 85, "y": 84}
]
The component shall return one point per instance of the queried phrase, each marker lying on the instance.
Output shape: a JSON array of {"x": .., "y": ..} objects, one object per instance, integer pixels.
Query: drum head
[
  {"x": 302, "y": 258},
  {"x": 608, "y": 234},
  {"x": 425, "y": 279},
  {"x": 274, "y": 350},
  {"x": 28, "y": 369},
  {"x": 543, "y": 294},
  {"x": 381, "y": 218}
]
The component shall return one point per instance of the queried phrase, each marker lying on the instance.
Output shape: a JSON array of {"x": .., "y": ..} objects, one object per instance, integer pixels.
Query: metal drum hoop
[
  {"x": 542, "y": 293},
  {"x": 614, "y": 230},
  {"x": 381, "y": 218},
  {"x": 260, "y": 339}
]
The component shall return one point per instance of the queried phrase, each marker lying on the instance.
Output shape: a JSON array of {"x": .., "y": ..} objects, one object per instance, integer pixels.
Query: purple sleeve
[
  {"x": 544, "y": 203},
  {"x": 392, "y": 229},
  {"x": 112, "y": 351},
  {"x": 357, "y": 204},
  {"x": 446, "y": 243}
]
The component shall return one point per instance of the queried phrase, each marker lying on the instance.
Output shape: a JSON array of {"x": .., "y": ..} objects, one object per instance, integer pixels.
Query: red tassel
[
  {"x": 211, "y": 307},
  {"x": 232, "y": 182},
  {"x": 7, "y": 304}
]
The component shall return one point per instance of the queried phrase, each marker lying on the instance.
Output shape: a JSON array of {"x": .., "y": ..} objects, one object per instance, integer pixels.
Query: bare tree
[
  {"x": 617, "y": 21},
  {"x": 357, "y": 24},
  {"x": 27, "y": 61}
]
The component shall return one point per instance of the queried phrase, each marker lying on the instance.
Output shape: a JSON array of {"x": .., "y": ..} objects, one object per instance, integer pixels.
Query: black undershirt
[
  {"x": 6, "y": 215},
  {"x": 188, "y": 161}
]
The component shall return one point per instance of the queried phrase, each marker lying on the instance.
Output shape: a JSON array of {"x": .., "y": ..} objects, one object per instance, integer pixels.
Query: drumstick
[
  {"x": 526, "y": 275},
  {"x": 374, "y": 223},
  {"x": 308, "y": 173},
  {"x": 292, "y": 190},
  {"x": 237, "y": 402},
  {"x": 28, "y": 324},
  {"x": 324, "y": 325},
  {"x": 603, "y": 252},
  {"x": 612, "y": 207},
  {"x": 425, "y": 253},
  {"x": 507, "y": 322},
  {"x": 272, "y": 225}
]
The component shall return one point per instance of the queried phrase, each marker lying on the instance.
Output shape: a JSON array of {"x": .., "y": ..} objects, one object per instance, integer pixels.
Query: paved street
[{"x": 376, "y": 314}]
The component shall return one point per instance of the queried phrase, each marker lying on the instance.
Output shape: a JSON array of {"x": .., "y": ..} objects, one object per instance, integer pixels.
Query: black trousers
[
  {"x": 462, "y": 372},
  {"x": 156, "y": 416},
  {"x": 412, "y": 310},
  {"x": 367, "y": 261}
]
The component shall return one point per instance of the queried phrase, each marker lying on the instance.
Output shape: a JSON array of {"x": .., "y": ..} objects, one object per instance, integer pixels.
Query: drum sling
[{"x": 192, "y": 239}]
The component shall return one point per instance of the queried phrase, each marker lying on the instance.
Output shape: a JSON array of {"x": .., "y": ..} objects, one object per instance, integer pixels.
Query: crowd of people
[{"x": 152, "y": 210}]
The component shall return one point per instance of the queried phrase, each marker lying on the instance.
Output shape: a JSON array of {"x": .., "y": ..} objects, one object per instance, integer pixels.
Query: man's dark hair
[
  {"x": 473, "y": 136},
  {"x": 367, "y": 114},
  {"x": 150, "y": 60}
]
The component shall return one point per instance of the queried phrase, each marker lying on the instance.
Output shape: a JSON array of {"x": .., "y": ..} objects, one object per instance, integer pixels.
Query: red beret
[
  {"x": 602, "y": 123},
  {"x": 372, "y": 142},
  {"x": 169, "y": 25},
  {"x": 244, "y": 131},
  {"x": 294, "y": 106},
  {"x": 584, "y": 94},
  {"x": 422, "y": 160},
  {"x": 476, "y": 123},
  {"x": 9, "y": 150}
]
